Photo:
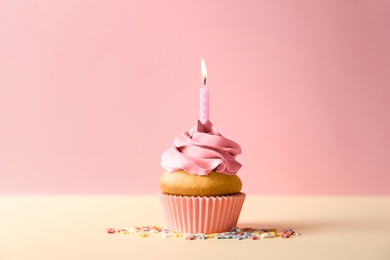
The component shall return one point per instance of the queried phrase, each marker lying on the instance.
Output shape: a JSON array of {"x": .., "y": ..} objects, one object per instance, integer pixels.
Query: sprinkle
[
  {"x": 111, "y": 230},
  {"x": 264, "y": 235},
  {"x": 286, "y": 233},
  {"x": 166, "y": 235},
  {"x": 234, "y": 229},
  {"x": 235, "y": 233},
  {"x": 203, "y": 237},
  {"x": 273, "y": 234},
  {"x": 154, "y": 229},
  {"x": 190, "y": 237}
]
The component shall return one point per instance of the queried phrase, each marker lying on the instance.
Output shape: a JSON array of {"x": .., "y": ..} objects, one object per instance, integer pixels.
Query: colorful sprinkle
[{"x": 234, "y": 233}]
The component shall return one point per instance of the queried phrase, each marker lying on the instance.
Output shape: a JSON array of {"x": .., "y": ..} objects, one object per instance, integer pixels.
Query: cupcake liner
[{"x": 206, "y": 215}]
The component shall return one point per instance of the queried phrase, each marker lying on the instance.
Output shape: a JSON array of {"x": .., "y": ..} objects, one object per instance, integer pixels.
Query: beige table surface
[{"x": 74, "y": 227}]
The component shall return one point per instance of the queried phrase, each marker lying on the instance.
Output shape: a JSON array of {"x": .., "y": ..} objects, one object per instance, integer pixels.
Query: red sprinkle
[
  {"x": 285, "y": 235},
  {"x": 111, "y": 230}
]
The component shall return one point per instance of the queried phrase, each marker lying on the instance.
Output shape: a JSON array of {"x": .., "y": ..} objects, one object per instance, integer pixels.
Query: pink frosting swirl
[{"x": 202, "y": 150}]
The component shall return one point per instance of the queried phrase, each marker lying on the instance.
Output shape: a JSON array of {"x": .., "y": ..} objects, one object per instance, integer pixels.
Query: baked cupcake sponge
[{"x": 187, "y": 184}]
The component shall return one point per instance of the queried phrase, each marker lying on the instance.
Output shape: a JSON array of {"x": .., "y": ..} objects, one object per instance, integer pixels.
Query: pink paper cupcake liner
[{"x": 206, "y": 215}]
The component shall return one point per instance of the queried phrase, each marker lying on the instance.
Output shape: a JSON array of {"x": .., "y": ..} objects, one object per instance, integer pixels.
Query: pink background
[{"x": 92, "y": 92}]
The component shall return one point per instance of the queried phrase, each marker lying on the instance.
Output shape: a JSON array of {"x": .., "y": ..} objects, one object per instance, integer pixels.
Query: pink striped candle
[{"x": 204, "y": 95}]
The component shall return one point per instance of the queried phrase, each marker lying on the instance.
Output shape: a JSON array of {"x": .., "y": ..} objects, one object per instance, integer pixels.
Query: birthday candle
[{"x": 204, "y": 95}]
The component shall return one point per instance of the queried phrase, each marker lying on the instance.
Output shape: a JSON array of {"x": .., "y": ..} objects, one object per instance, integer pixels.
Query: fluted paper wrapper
[{"x": 206, "y": 215}]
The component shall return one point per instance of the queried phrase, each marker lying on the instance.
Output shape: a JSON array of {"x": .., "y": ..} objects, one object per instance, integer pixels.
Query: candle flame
[{"x": 203, "y": 70}]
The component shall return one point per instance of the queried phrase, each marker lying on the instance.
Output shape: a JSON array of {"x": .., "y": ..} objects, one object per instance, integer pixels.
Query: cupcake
[{"x": 200, "y": 189}]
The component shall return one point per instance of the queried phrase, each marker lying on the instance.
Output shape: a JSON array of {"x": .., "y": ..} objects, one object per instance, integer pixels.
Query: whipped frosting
[{"x": 202, "y": 150}]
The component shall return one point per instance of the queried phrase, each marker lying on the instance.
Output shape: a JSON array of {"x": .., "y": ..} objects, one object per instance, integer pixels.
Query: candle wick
[{"x": 204, "y": 81}]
